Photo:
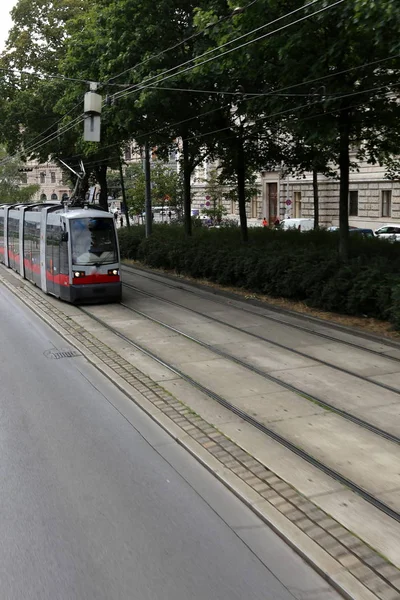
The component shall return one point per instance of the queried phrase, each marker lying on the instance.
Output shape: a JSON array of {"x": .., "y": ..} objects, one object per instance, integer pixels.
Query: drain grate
[{"x": 55, "y": 354}]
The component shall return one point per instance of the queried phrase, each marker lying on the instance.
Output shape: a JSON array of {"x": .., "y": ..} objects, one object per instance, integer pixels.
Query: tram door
[
  {"x": 49, "y": 259},
  {"x": 53, "y": 272}
]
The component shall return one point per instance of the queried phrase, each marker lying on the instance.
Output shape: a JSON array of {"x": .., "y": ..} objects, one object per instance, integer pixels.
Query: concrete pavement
[{"x": 333, "y": 552}]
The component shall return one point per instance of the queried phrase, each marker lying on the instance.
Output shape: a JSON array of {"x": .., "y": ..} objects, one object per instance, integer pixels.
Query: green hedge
[{"x": 286, "y": 264}]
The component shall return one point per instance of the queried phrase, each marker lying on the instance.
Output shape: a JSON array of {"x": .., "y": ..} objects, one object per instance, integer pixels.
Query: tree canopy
[{"x": 256, "y": 87}]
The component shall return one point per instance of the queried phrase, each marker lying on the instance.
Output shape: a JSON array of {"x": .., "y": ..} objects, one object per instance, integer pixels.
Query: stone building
[
  {"x": 50, "y": 179},
  {"x": 373, "y": 199}
]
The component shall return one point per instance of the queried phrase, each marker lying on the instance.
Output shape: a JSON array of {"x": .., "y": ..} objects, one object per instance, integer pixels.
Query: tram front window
[{"x": 93, "y": 241}]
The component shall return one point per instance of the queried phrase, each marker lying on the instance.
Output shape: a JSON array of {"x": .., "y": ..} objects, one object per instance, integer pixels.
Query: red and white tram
[{"x": 70, "y": 253}]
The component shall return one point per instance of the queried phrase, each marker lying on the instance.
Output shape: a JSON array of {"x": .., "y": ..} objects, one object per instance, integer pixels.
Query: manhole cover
[{"x": 55, "y": 354}]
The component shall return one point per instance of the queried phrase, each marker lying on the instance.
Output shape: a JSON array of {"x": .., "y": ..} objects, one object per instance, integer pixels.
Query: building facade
[
  {"x": 50, "y": 179},
  {"x": 373, "y": 199}
]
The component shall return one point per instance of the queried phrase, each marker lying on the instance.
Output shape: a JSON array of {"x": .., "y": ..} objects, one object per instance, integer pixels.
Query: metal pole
[
  {"x": 148, "y": 188},
  {"x": 121, "y": 174}
]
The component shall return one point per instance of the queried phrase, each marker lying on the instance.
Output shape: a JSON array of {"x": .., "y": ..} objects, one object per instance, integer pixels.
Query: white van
[{"x": 300, "y": 224}]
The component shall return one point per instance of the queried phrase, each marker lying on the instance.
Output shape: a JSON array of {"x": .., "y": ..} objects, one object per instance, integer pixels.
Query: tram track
[
  {"x": 350, "y": 417},
  {"x": 309, "y": 458},
  {"x": 216, "y": 300},
  {"x": 269, "y": 341}
]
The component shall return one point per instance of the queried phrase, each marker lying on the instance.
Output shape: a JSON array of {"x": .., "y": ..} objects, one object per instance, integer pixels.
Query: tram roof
[
  {"x": 85, "y": 213},
  {"x": 70, "y": 212}
]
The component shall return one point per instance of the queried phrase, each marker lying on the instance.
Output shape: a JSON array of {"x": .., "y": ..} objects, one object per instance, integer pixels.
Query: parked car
[
  {"x": 355, "y": 231},
  {"x": 389, "y": 232},
  {"x": 300, "y": 224},
  {"x": 363, "y": 232}
]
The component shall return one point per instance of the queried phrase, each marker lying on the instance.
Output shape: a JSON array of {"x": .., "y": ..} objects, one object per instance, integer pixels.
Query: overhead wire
[
  {"x": 67, "y": 127},
  {"x": 289, "y": 110},
  {"x": 265, "y": 117},
  {"x": 333, "y": 97},
  {"x": 50, "y": 138},
  {"x": 139, "y": 87},
  {"x": 194, "y": 35}
]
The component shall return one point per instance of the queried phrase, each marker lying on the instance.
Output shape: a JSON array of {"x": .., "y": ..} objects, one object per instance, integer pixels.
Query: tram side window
[
  {"x": 36, "y": 238},
  {"x": 1, "y": 230},
  {"x": 13, "y": 232},
  {"x": 64, "y": 263},
  {"x": 56, "y": 248},
  {"x": 52, "y": 254},
  {"x": 28, "y": 248}
]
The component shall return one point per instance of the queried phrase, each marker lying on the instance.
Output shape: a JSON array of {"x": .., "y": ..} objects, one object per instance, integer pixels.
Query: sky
[{"x": 5, "y": 20}]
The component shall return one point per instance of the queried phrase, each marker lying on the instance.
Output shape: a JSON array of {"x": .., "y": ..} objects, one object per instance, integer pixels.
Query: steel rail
[
  {"x": 269, "y": 341},
  {"x": 202, "y": 293},
  {"x": 363, "y": 493}
]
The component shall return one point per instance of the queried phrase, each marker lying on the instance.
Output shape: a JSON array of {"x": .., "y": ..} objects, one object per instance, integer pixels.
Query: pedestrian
[
  {"x": 121, "y": 221},
  {"x": 265, "y": 222},
  {"x": 277, "y": 222}
]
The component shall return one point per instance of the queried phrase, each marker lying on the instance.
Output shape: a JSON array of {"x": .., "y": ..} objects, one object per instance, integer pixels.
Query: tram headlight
[
  {"x": 113, "y": 271},
  {"x": 79, "y": 274}
]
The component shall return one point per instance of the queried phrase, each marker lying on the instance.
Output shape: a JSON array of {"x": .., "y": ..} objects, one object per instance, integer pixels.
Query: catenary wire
[
  {"x": 136, "y": 88},
  {"x": 194, "y": 35}
]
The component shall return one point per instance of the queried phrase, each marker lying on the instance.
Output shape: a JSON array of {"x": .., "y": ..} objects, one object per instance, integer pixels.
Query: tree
[
  {"x": 42, "y": 116},
  {"x": 148, "y": 111},
  {"x": 338, "y": 47},
  {"x": 215, "y": 193},
  {"x": 12, "y": 185},
  {"x": 239, "y": 139},
  {"x": 166, "y": 187}
]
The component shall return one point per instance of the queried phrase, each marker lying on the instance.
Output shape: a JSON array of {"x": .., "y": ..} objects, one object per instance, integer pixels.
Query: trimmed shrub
[{"x": 288, "y": 264}]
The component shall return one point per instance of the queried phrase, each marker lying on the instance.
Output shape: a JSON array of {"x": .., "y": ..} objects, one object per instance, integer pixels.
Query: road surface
[{"x": 98, "y": 503}]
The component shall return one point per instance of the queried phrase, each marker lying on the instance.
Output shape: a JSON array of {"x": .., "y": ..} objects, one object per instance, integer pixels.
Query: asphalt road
[{"x": 96, "y": 502}]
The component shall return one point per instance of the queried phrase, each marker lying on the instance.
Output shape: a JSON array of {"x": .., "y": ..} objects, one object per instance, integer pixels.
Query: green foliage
[
  {"x": 166, "y": 187},
  {"x": 289, "y": 264},
  {"x": 324, "y": 80},
  {"x": 12, "y": 188}
]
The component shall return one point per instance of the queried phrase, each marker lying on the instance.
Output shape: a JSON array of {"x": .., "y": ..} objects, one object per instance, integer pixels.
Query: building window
[
  {"x": 54, "y": 197},
  {"x": 254, "y": 207},
  {"x": 353, "y": 203},
  {"x": 53, "y": 177},
  {"x": 43, "y": 198},
  {"x": 42, "y": 177},
  {"x": 64, "y": 197},
  {"x": 24, "y": 178},
  {"x": 297, "y": 205},
  {"x": 386, "y": 203},
  {"x": 128, "y": 153}
]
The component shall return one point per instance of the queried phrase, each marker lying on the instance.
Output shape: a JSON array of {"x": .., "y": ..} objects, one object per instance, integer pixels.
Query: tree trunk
[
  {"x": 148, "y": 210},
  {"x": 187, "y": 172},
  {"x": 241, "y": 187},
  {"x": 124, "y": 202},
  {"x": 101, "y": 178},
  {"x": 316, "y": 198},
  {"x": 344, "y": 169}
]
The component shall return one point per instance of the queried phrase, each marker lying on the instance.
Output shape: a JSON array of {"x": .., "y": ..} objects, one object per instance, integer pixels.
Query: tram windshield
[{"x": 93, "y": 241}]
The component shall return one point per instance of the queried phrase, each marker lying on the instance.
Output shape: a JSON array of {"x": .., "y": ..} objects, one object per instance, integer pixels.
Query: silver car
[{"x": 389, "y": 232}]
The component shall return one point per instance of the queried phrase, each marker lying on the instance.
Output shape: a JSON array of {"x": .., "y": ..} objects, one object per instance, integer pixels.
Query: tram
[{"x": 70, "y": 253}]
